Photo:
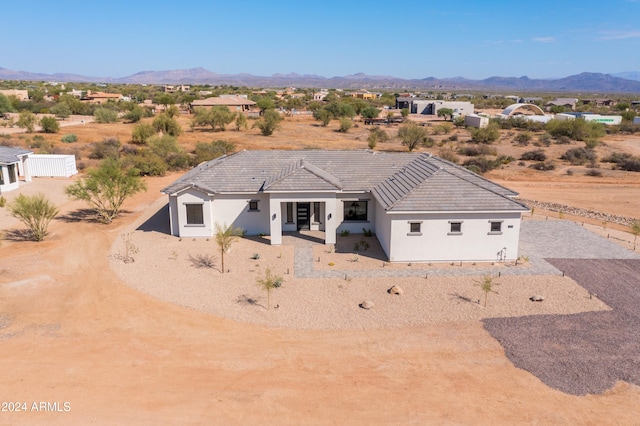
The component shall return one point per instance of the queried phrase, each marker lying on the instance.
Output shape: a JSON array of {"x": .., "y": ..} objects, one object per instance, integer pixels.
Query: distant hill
[{"x": 588, "y": 82}]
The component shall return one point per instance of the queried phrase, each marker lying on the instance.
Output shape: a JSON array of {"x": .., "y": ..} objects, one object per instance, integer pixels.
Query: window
[
  {"x": 253, "y": 206},
  {"x": 316, "y": 213},
  {"x": 415, "y": 227},
  {"x": 1, "y": 176},
  {"x": 12, "y": 173},
  {"x": 355, "y": 210},
  {"x": 194, "y": 214},
  {"x": 289, "y": 212},
  {"x": 496, "y": 227},
  {"x": 455, "y": 228}
]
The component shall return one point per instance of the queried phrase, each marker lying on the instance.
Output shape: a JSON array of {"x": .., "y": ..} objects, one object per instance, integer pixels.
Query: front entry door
[{"x": 302, "y": 218}]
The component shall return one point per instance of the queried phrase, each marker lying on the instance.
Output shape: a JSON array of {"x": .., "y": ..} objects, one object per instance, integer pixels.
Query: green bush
[
  {"x": 141, "y": 133},
  {"x": 69, "y": 138},
  {"x": 345, "y": 125},
  {"x": 105, "y": 115},
  {"x": 208, "y": 151},
  {"x": 486, "y": 135}
]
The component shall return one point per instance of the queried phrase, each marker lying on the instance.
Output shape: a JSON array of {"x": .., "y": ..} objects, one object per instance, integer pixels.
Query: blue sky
[{"x": 409, "y": 39}]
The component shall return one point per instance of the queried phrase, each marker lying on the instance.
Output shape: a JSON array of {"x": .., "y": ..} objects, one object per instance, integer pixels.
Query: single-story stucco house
[
  {"x": 13, "y": 165},
  {"x": 420, "y": 207}
]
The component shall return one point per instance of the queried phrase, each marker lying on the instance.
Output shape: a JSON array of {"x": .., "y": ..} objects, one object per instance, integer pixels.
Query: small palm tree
[
  {"x": 487, "y": 285},
  {"x": 268, "y": 283},
  {"x": 225, "y": 236},
  {"x": 36, "y": 212}
]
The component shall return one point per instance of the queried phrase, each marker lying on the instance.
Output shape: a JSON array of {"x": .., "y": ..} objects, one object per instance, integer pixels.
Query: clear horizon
[{"x": 330, "y": 38}]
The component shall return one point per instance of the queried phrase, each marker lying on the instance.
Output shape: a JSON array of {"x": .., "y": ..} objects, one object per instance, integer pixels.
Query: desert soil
[{"x": 72, "y": 331}]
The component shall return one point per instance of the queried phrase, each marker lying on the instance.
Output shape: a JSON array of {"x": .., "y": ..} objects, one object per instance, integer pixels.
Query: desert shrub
[
  {"x": 486, "y": 135},
  {"x": 523, "y": 139},
  {"x": 579, "y": 156},
  {"x": 544, "y": 139},
  {"x": 594, "y": 173},
  {"x": 591, "y": 143},
  {"x": 208, "y": 151},
  {"x": 630, "y": 164},
  {"x": 49, "y": 124},
  {"x": 504, "y": 159},
  {"x": 449, "y": 155},
  {"x": 577, "y": 129},
  {"x": 563, "y": 140},
  {"x": 616, "y": 157},
  {"x": 134, "y": 115},
  {"x": 146, "y": 163},
  {"x": 543, "y": 166},
  {"x": 376, "y": 134},
  {"x": 629, "y": 127},
  {"x": 107, "y": 148},
  {"x": 537, "y": 155},
  {"x": 453, "y": 138},
  {"x": 167, "y": 125},
  {"x": 475, "y": 150},
  {"x": 105, "y": 115},
  {"x": 69, "y": 138},
  {"x": 480, "y": 164},
  {"x": 40, "y": 143},
  {"x": 345, "y": 125},
  {"x": 141, "y": 133},
  {"x": 428, "y": 142}
]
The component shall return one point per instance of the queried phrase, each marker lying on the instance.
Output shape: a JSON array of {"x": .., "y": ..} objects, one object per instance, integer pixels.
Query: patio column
[
  {"x": 275, "y": 221},
  {"x": 331, "y": 221}
]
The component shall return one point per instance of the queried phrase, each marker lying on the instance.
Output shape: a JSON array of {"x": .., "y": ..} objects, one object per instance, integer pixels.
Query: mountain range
[{"x": 626, "y": 82}]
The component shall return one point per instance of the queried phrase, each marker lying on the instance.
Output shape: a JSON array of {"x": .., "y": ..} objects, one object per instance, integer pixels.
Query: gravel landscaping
[{"x": 586, "y": 352}]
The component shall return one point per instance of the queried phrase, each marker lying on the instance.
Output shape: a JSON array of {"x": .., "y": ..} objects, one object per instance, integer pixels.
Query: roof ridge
[
  {"x": 422, "y": 180},
  {"x": 297, "y": 165}
]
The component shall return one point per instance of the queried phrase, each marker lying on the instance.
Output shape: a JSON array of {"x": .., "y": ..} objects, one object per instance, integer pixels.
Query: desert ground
[{"x": 78, "y": 333}]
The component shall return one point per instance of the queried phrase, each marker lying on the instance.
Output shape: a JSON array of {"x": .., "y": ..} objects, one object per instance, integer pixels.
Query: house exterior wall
[
  {"x": 234, "y": 210},
  {"x": 436, "y": 243},
  {"x": 383, "y": 229},
  {"x": 431, "y": 107},
  {"x": 178, "y": 214}
]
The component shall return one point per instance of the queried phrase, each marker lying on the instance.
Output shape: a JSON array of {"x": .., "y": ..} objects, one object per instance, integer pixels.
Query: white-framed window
[
  {"x": 195, "y": 215},
  {"x": 455, "y": 228},
  {"x": 495, "y": 227},
  {"x": 415, "y": 228},
  {"x": 355, "y": 210},
  {"x": 253, "y": 206}
]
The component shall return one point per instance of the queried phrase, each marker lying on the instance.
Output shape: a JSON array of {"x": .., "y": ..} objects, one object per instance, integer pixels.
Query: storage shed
[{"x": 58, "y": 165}]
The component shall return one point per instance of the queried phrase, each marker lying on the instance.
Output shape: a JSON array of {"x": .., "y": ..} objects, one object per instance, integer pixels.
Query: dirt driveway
[{"x": 71, "y": 332}]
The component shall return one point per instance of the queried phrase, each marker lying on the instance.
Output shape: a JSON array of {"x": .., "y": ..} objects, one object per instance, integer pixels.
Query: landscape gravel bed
[{"x": 585, "y": 352}]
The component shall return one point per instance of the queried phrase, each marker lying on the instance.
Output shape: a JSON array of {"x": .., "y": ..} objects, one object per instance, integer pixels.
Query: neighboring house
[
  {"x": 21, "y": 95},
  {"x": 533, "y": 100},
  {"x": 600, "y": 102},
  {"x": 13, "y": 166},
  {"x": 569, "y": 103},
  {"x": 610, "y": 120},
  {"x": 234, "y": 103},
  {"x": 319, "y": 96},
  {"x": 431, "y": 107},
  {"x": 421, "y": 207},
  {"x": 101, "y": 97}
]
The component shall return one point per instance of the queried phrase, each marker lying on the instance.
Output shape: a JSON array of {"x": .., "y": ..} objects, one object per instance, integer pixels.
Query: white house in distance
[{"x": 420, "y": 207}]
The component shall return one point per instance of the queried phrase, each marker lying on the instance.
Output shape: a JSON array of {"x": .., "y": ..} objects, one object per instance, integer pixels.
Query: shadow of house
[{"x": 159, "y": 222}]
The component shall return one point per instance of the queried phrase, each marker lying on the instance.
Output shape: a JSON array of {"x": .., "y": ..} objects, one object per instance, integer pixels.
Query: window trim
[
  {"x": 345, "y": 204},
  {"x": 451, "y": 223},
  {"x": 256, "y": 202},
  {"x": 491, "y": 231},
  {"x": 201, "y": 212},
  {"x": 413, "y": 233}
]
